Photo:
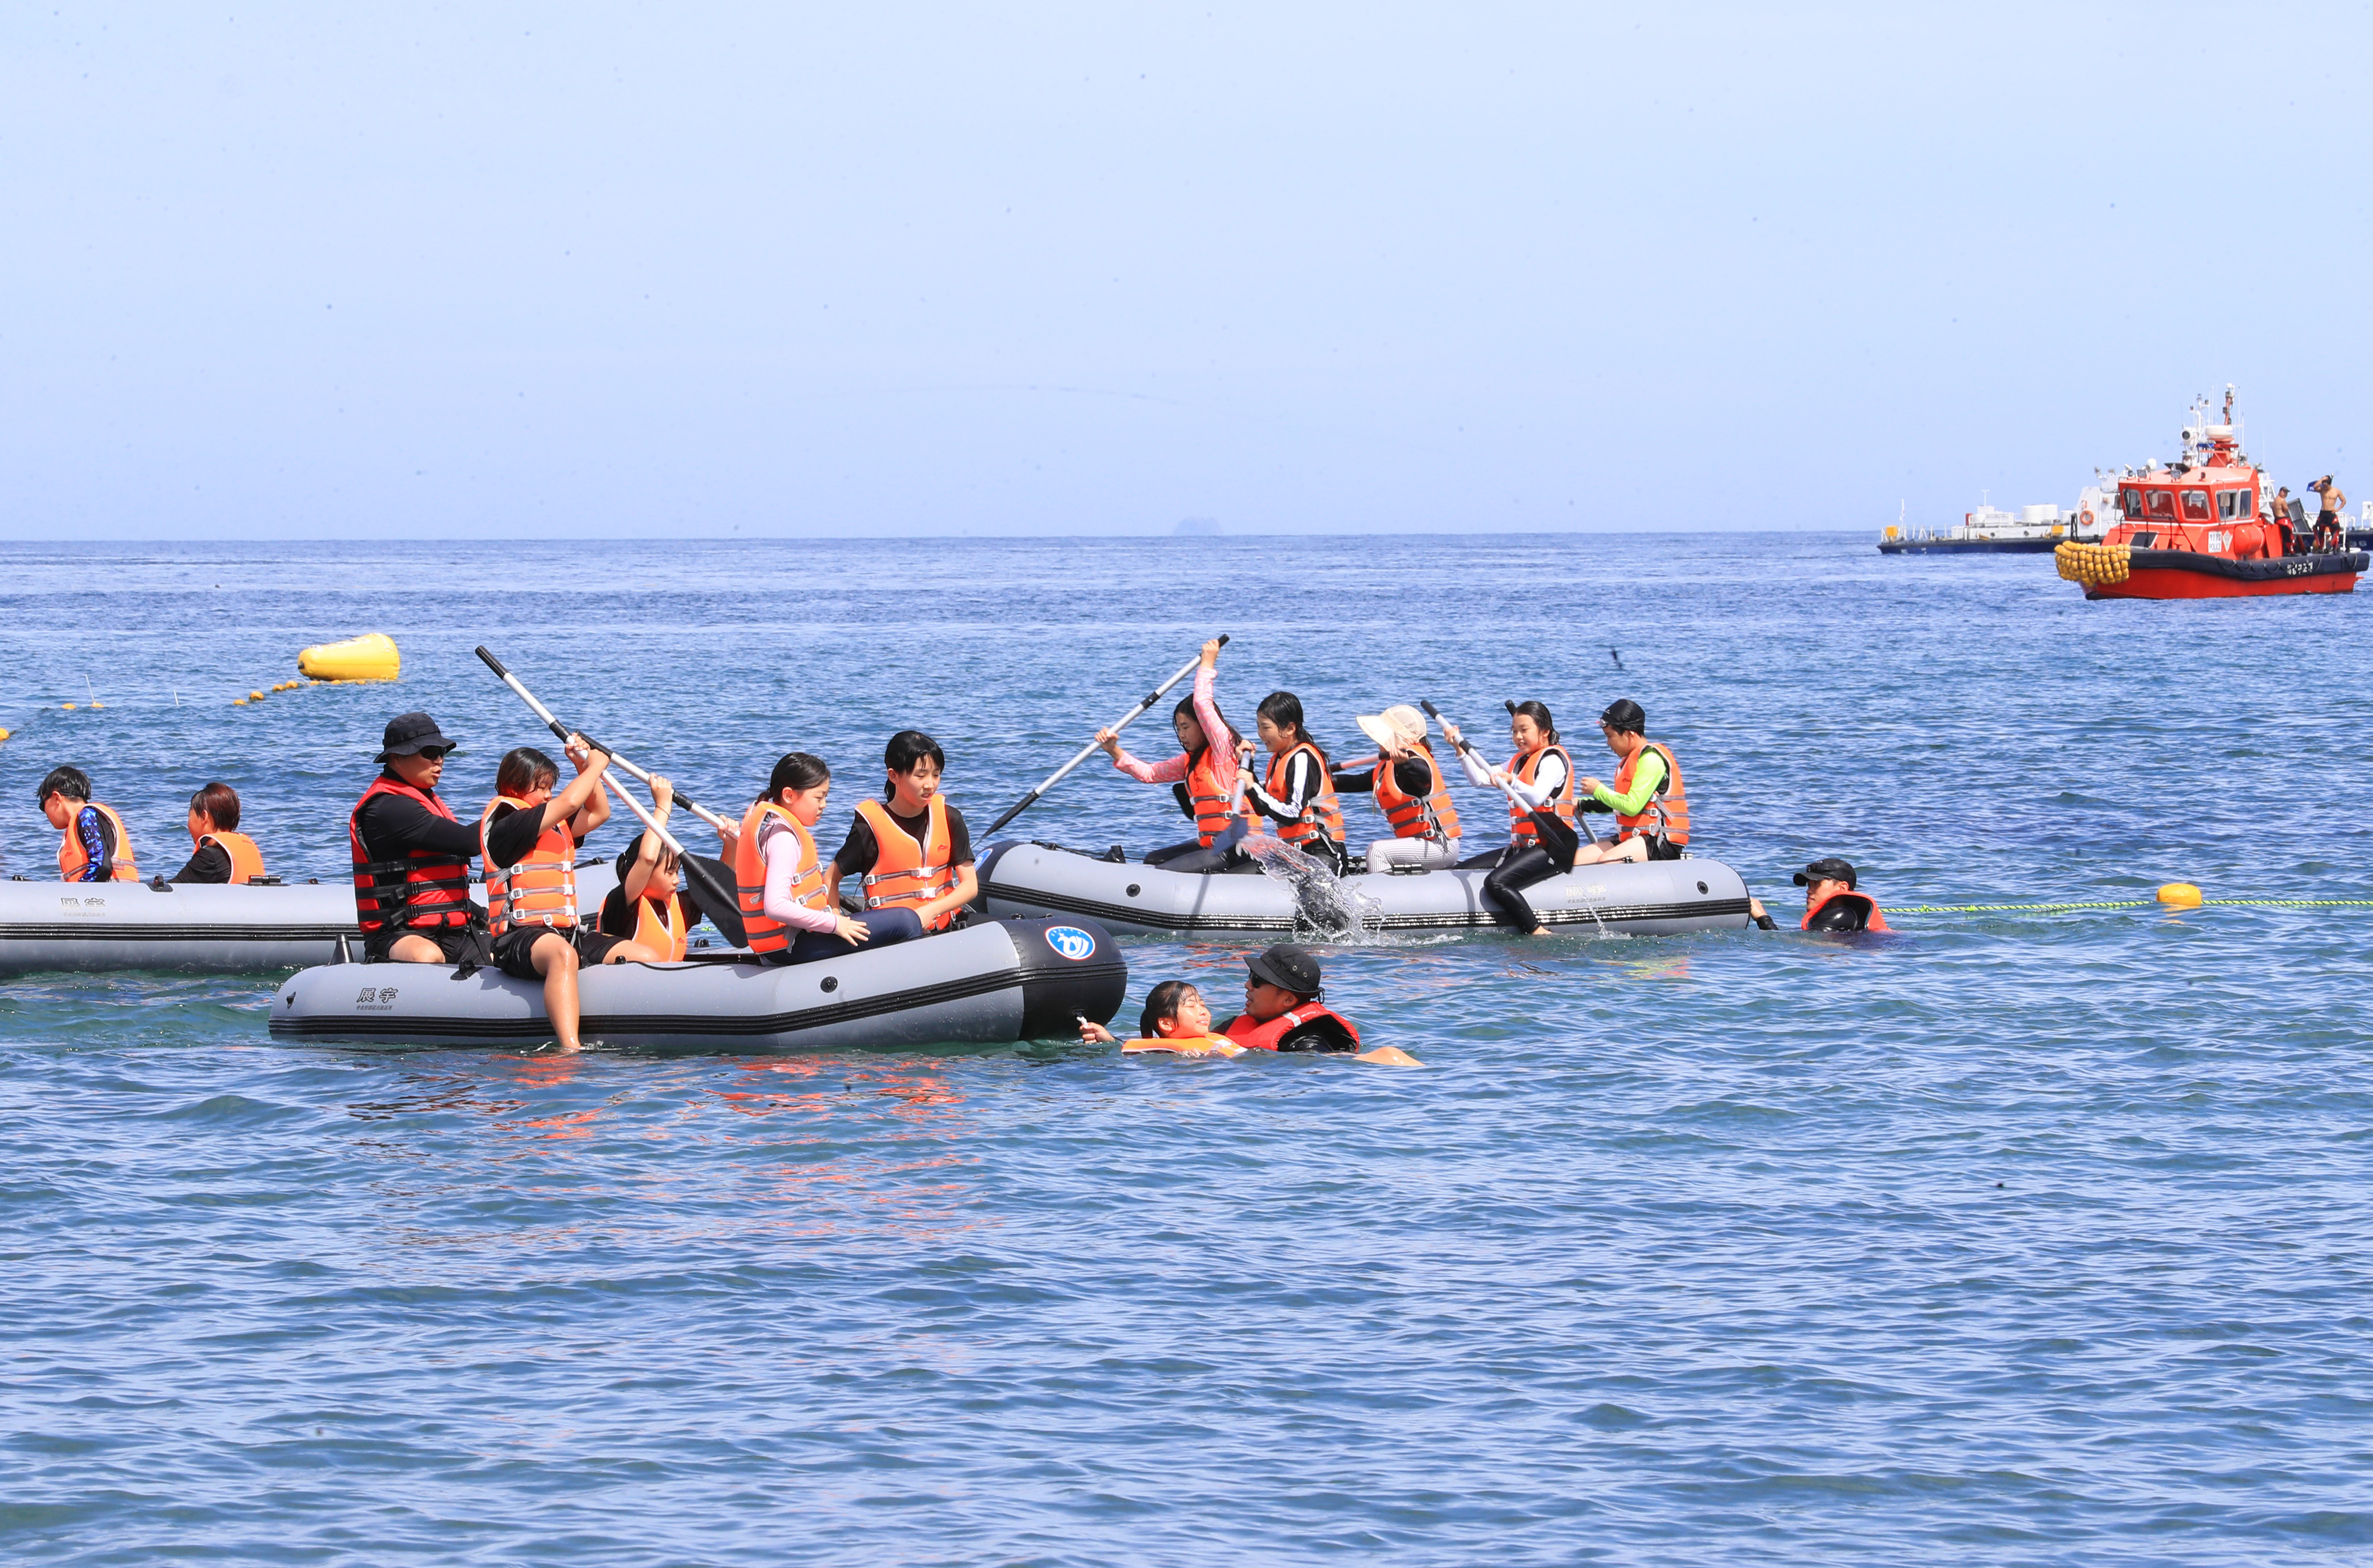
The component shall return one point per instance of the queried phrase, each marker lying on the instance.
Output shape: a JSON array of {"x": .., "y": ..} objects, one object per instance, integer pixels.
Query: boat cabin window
[
  {"x": 2228, "y": 504},
  {"x": 2130, "y": 501},
  {"x": 2144, "y": 540},
  {"x": 2162, "y": 503},
  {"x": 2195, "y": 506}
]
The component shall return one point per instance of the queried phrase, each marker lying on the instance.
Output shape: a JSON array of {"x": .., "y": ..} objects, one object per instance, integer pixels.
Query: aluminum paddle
[{"x": 1122, "y": 722}]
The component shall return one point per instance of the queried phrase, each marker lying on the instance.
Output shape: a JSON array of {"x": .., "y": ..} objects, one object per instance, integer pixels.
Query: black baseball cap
[
  {"x": 1288, "y": 967},
  {"x": 408, "y": 734},
  {"x": 1828, "y": 869}
]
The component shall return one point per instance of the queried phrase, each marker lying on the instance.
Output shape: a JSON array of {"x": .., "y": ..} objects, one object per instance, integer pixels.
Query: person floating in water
[
  {"x": 1176, "y": 1019},
  {"x": 1283, "y": 1011},
  {"x": 97, "y": 846},
  {"x": 1832, "y": 902}
]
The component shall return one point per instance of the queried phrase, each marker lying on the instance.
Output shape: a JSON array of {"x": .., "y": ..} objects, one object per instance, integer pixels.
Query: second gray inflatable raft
[
  {"x": 994, "y": 982},
  {"x": 1651, "y": 898}
]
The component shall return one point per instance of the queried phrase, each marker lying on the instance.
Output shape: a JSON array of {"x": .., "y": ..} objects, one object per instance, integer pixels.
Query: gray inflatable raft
[
  {"x": 1653, "y": 898},
  {"x": 208, "y": 928},
  {"x": 993, "y": 981}
]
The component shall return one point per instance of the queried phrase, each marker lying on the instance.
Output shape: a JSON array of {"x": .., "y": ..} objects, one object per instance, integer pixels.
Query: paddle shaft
[
  {"x": 557, "y": 728},
  {"x": 720, "y": 903},
  {"x": 1116, "y": 726}
]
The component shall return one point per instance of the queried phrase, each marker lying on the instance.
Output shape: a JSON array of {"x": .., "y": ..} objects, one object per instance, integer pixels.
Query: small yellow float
[{"x": 371, "y": 657}]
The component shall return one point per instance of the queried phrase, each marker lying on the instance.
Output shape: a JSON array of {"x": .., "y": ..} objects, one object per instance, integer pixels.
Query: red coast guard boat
[{"x": 2205, "y": 528}]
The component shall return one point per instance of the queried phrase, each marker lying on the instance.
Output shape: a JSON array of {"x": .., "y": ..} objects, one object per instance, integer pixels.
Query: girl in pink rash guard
[{"x": 1203, "y": 777}]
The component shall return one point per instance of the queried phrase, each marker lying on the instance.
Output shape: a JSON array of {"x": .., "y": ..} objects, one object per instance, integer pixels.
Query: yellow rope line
[{"x": 2137, "y": 904}]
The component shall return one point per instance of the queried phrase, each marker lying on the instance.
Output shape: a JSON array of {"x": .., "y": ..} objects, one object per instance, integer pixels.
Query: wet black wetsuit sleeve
[
  {"x": 1318, "y": 1035},
  {"x": 391, "y": 825},
  {"x": 211, "y": 863}
]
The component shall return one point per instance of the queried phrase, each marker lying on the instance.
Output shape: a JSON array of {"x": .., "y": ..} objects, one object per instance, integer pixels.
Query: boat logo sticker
[
  {"x": 376, "y": 998},
  {"x": 1070, "y": 942}
]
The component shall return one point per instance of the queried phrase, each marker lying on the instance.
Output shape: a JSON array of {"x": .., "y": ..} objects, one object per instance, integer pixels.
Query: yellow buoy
[
  {"x": 239, "y": 702},
  {"x": 256, "y": 696},
  {"x": 4, "y": 734},
  {"x": 2180, "y": 895},
  {"x": 67, "y": 706},
  {"x": 368, "y": 658}
]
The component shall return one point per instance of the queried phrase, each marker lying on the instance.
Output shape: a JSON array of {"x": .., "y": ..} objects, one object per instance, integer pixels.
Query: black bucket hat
[
  {"x": 1828, "y": 869},
  {"x": 1288, "y": 967},
  {"x": 408, "y": 734}
]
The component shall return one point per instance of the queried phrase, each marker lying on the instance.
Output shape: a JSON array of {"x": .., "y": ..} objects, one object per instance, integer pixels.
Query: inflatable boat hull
[
  {"x": 130, "y": 925},
  {"x": 1655, "y": 898},
  {"x": 994, "y": 982},
  {"x": 208, "y": 928}
]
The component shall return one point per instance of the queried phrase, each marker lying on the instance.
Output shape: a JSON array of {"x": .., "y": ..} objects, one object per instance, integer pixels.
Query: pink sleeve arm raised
[
  {"x": 1169, "y": 772},
  {"x": 1215, "y": 729}
]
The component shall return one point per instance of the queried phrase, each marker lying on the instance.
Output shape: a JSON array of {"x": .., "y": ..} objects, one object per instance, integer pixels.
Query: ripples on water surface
[{"x": 2018, "y": 1239}]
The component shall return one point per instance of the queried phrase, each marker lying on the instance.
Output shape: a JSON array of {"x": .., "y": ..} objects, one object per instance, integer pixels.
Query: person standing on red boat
[{"x": 2327, "y": 518}]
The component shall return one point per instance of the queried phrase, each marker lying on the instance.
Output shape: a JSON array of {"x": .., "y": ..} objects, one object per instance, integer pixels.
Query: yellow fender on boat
[
  {"x": 371, "y": 657},
  {"x": 2089, "y": 564}
]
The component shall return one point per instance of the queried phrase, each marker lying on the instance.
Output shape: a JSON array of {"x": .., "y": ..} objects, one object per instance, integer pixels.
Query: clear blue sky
[{"x": 527, "y": 269}]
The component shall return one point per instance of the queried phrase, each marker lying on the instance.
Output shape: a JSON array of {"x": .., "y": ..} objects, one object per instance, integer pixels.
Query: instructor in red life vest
[
  {"x": 1282, "y": 1012},
  {"x": 1832, "y": 903},
  {"x": 411, "y": 858}
]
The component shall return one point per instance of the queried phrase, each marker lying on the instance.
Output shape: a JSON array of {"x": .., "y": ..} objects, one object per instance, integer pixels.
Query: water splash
[{"x": 1324, "y": 907}]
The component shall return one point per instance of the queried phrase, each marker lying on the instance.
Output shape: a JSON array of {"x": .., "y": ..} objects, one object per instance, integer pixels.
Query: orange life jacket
[
  {"x": 1430, "y": 816},
  {"x": 246, "y": 860},
  {"x": 906, "y": 874},
  {"x": 1209, "y": 799},
  {"x": 1521, "y": 830},
  {"x": 71, "y": 860},
  {"x": 1670, "y": 804},
  {"x": 1324, "y": 806},
  {"x": 1872, "y": 919},
  {"x": 1246, "y": 1031},
  {"x": 659, "y": 925},
  {"x": 762, "y": 935},
  {"x": 541, "y": 889},
  {"x": 426, "y": 887}
]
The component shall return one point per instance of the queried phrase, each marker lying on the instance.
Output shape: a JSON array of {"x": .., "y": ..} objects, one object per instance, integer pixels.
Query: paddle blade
[
  {"x": 712, "y": 887},
  {"x": 1558, "y": 837}
]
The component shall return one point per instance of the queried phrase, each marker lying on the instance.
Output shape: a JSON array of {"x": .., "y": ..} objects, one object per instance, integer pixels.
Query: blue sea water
[{"x": 2020, "y": 1238}]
